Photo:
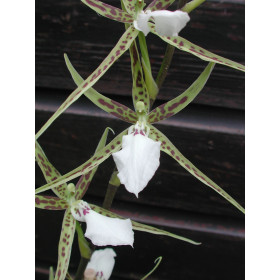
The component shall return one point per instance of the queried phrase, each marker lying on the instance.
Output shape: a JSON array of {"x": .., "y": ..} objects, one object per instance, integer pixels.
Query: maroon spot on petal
[
  {"x": 176, "y": 104},
  {"x": 104, "y": 103},
  {"x": 181, "y": 44},
  {"x": 85, "y": 85}
]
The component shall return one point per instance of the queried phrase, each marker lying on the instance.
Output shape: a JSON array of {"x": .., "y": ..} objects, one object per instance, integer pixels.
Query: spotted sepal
[
  {"x": 139, "y": 89},
  {"x": 84, "y": 181},
  {"x": 170, "y": 149},
  {"x": 65, "y": 245},
  {"x": 49, "y": 171},
  {"x": 50, "y": 202},
  {"x": 142, "y": 227},
  {"x": 108, "y": 105},
  {"x": 187, "y": 46},
  {"x": 175, "y": 105},
  {"x": 159, "y": 5},
  {"x": 94, "y": 161},
  {"x": 122, "y": 45},
  {"x": 109, "y": 11},
  {"x": 129, "y": 6}
]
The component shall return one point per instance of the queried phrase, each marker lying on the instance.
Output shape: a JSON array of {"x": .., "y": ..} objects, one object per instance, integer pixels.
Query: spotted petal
[
  {"x": 108, "y": 105},
  {"x": 84, "y": 181},
  {"x": 159, "y": 5},
  {"x": 175, "y": 105},
  {"x": 129, "y": 6},
  {"x": 171, "y": 150},
  {"x": 123, "y": 44},
  {"x": 187, "y": 46},
  {"x": 50, "y": 202},
  {"x": 142, "y": 227},
  {"x": 139, "y": 89},
  {"x": 109, "y": 11},
  {"x": 93, "y": 162},
  {"x": 65, "y": 245},
  {"x": 49, "y": 171}
]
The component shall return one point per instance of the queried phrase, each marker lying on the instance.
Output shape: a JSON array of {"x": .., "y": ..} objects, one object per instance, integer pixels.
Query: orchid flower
[
  {"x": 145, "y": 119},
  {"x": 135, "y": 16},
  {"x": 101, "y": 265},
  {"x": 69, "y": 197}
]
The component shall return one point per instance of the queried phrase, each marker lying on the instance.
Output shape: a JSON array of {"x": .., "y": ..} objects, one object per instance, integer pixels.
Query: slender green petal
[
  {"x": 139, "y": 89},
  {"x": 122, "y": 45},
  {"x": 129, "y": 6},
  {"x": 109, "y": 11},
  {"x": 187, "y": 46},
  {"x": 84, "y": 181},
  {"x": 150, "y": 83},
  {"x": 49, "y": 171},
  {"x": 177, "y": 104},
  {"x": 159, "y": 5},
  {"x": 170, "y": 149},
  {"x": 93, "y": 162},
  {"x": 144, "y": 50},
  {"x": 142, "y": 227},
  {"x": 108, "y": 105},
  {"x": 65, "y": 245},
  {"x": 50, "y": 202}
]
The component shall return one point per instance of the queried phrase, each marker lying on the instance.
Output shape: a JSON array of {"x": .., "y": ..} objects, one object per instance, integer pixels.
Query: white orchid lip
[
  {"x": 101, "y": 264},
  {"x": 138, "y": 160},
  {"x": 102, "y": 230},
  {"x": 167, "y": 23}
]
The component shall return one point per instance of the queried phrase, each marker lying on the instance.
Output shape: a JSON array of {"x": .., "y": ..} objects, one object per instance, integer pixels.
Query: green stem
[{"x": 192, "y": 5}]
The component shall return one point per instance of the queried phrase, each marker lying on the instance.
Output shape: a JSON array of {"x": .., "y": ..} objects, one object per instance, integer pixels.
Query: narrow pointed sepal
[
  {"x": 109, "y": 11},
  {"x": 187, "y": 46},
  {"x": 171, "y": 150},
  {"x": 121, "y": 47},
  {"x": 84, "y": 168},
  {"x": 101, "y": 264},
  {"x": 50, "y": 202},
  {"x": 177, "y": 104},
  {"x": 65, "y": 245},
  {"x": 102, "y": 230},
  {"x": 49, "y": 171},
  {"x": 137, "y": 162}
]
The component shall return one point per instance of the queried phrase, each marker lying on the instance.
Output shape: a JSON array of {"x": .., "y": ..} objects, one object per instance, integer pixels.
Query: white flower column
[
  {"x": 101, "y": 265},
  {"x": 138, "y": 160},
  {"x": 102, "y": 230},
  {"x": 167, "y": 23}
]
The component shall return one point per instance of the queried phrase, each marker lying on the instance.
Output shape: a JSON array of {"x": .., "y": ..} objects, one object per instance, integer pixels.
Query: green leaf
[
  {"x": 139, "y": 89},
  {"x": 157, "y": 262},
  {"x": 84, "y": 181},
  {"x": 109, "y": 11},
  {"x": 108, "y": 105},
  {"x": 50, "y": 202},
  {"x": 49, "y": 171},
  {"x": 142, "y": 227},
  {"x": 159, "y": 5},
  {"x": 150, "y": 83},
  {"x": 170, "y": 149},
  {"x": 122, "y": 45},
  {"x": 129, "y": 6},
  {"x": 65, "y": 245},
  {"x": 175, "y": 105},
  {"x": 93, "y": 162},
  {"x": 187, "y": 46}
]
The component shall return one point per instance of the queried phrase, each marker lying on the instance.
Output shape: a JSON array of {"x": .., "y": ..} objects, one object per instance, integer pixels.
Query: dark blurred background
[{"x": 209, "y": 132}]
